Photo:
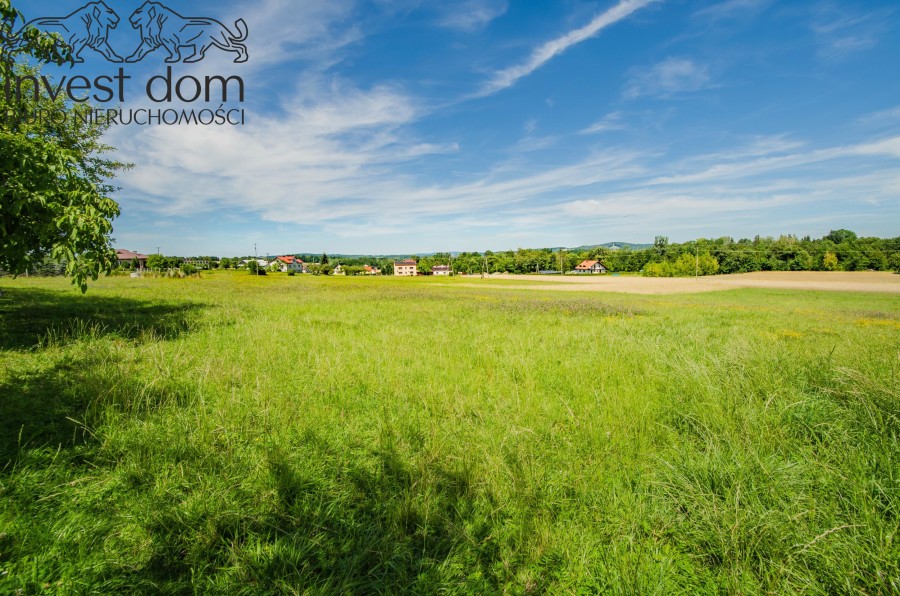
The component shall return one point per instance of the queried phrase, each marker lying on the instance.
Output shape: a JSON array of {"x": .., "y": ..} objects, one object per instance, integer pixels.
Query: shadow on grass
[
  {"x": 28, "y": 316},
  {"x": 335, "y": 525},
  {"x": 37, "y": 410},
  {"x": 41, "y": 396},
  {"x": 321, "y": 516}
]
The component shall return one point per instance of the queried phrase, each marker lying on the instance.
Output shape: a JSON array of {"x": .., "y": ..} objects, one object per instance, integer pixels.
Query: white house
[
  {"x": 289, "y": 263},
  {"x": 591, "y": 267},
  {"x": 261, "y": 262},
  {"x": 405, "y": 268},
  {"x": 441, "y": 270}
]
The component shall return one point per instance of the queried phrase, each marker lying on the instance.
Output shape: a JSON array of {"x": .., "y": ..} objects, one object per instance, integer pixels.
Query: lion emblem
[
  {"x": 161, "y": 26},
  {"x": 87, "y": 27}
]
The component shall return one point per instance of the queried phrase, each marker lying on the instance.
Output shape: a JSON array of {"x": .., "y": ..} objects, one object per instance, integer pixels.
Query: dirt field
[{"x": 787, "y": 280}]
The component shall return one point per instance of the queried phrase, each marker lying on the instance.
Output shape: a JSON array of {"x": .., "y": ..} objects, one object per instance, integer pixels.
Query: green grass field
[{"x": 317, "y": 435}]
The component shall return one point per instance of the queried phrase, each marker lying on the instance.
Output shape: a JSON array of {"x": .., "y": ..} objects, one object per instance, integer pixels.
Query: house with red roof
[
  {"x": 127, "y": 257},
  {"x": 591, "y": 267},
  {"x": 289, "y": 263}
]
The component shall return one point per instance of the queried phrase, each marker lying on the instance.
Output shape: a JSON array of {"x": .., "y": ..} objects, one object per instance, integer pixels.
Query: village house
[
  {"x": 369, "y": 270},
  {"x": 261, "y": 262},
  {"x": 405, "y": 268},
  {"x": 441, "y": 270},
  {"x": 289, "y": 263},
  {"x": 126, "y": 257},
  {"x": 591, "y": 267}
]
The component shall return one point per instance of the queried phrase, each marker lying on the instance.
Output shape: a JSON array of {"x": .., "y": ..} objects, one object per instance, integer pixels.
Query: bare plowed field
[{"x": 801, "y": 280}]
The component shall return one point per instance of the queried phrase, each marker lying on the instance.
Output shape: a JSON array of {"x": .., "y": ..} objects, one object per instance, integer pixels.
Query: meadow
[{"x": 312, "y": 435}]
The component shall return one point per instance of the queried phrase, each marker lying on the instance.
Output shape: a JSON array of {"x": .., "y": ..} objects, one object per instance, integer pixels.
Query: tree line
[{"x": 840, "y": 250}]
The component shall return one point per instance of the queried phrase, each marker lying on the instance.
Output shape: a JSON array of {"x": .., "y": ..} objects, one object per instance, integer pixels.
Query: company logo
[
  {"x": 87, "y": 27},
  {"x": 172, "y": 96},
  {"x": 159, "y": 27}
]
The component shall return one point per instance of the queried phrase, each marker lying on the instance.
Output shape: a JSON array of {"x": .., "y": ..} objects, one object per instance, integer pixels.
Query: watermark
[
  {"x": 162, "y": 27},
  {"x": 159, "y": 29}
]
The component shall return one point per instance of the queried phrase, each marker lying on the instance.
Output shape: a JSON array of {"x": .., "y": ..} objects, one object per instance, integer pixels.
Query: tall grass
[{"x": 312, "y": 435}]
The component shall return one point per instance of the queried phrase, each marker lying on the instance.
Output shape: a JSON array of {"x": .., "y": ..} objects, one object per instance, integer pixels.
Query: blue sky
[{"x": 402, "y": 126}]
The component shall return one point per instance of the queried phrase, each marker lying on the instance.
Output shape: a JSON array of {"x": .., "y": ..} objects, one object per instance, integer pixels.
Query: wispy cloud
[
  {"x": 612, "y": 121},
  {"x": 886, "y": 117},
  {"x": 669, "y": 77},
  {"x": 472, "y": 15},
  {"x": 543, "y": 54},
  {"x": 841, "y": 31},
  {"x": 749, "y": 188},
  {"x": 283, "y": 31},
  {"x": 731, "y": 9},
  {"x": 767, "y": 163}
]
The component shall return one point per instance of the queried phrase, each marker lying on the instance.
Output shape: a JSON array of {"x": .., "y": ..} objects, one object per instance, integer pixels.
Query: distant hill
[
  {"x": 311, "y": 257},
  {"x": 615, "y": 246}
]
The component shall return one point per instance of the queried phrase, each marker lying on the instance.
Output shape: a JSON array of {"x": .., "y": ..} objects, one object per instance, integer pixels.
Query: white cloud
[
  {"x": 472, "y": 15},
  {"x": 508, "y": 77},
  {"x": 669, "y": 77},
  {"x": 333, "y": 159},
  {"x": 283, "y": 30},
  {"x": 612, "y": 121},
  {"x": 840, "y": 31},
  {"x": 769, "y": 164},
  {"x": 731, "y": 9},
  {"x": 881, "y": 117},
  {"x": 535, "y": 143}
]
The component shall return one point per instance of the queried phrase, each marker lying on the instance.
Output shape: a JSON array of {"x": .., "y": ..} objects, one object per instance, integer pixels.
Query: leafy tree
[
  {"x": 840, "y": 236},
  {"x": 156, "y": 262},
  {"x": 739, "y": 261},
  {"x": 709, "y": 265},
  {"x": 830, "y": 262},
  {"x": 658, "y": 270},
  {"x": 685, "y": 266},
  {"x": 802, "y": 261},
  {"x": 661, "y": 245},
  {"x": 53, "y": 179},
  {"x": 324, "y": 260},
  {"x": 895, "y": 262}
]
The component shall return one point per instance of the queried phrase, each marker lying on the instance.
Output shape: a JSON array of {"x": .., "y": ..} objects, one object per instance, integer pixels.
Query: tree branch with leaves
[{"x": 54, "y": 176}]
